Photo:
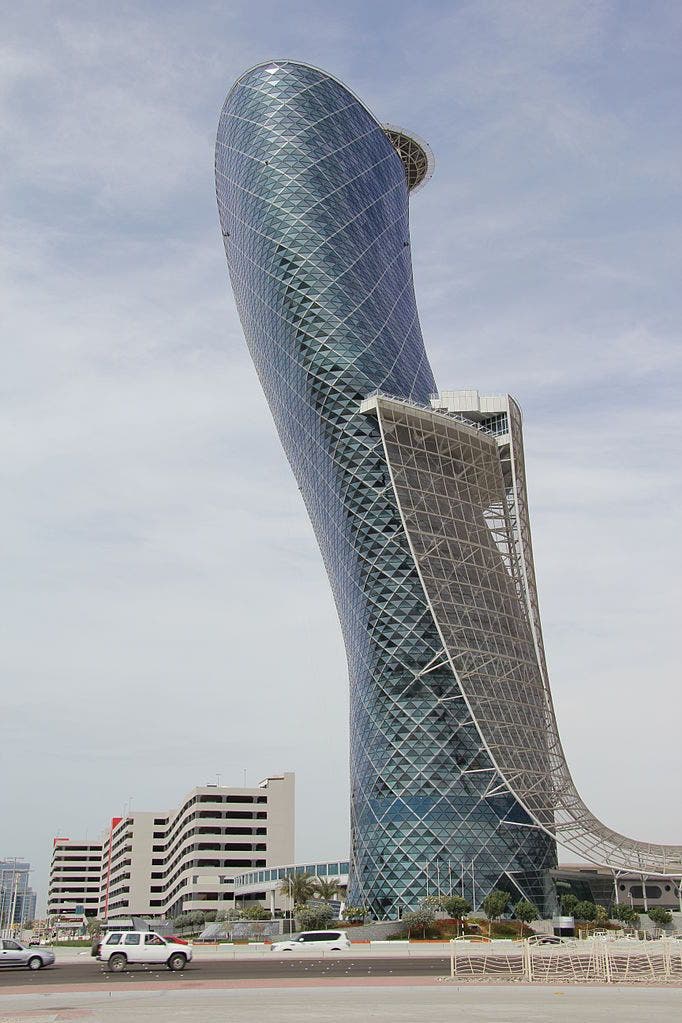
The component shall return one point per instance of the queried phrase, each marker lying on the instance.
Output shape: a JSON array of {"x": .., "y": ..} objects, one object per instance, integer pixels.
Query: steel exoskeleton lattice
[
  {"x": 313, "y": 201},
  {"x": 462, "y": 496}
]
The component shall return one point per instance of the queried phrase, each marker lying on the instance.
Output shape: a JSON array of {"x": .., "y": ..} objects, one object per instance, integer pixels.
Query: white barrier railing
[{"x": 593, "y": 961}]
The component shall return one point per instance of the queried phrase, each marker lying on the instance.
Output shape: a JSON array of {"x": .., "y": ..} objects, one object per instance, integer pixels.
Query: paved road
[{"x": 93, "y": 972}]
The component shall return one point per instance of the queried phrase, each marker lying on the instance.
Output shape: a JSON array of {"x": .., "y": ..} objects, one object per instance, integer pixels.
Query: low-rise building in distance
[
  {"x": 609, "y": 887},
  {"x": 265, "y": 885}
]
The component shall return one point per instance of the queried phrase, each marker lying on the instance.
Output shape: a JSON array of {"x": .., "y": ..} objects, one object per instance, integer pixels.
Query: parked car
[
  {"x": 120, "y": 949},
  {"x": 13, "y": 953},
  {"x": 314, "y": 941}
]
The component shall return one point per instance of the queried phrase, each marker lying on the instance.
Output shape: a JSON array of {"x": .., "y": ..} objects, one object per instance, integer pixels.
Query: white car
[
  {"x": 121, "y": 948},
  {"x": 314, "y": 941}
]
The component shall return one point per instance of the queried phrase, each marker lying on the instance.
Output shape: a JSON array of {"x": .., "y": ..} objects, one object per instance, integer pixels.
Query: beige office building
[{"x": 164, "y": 862}]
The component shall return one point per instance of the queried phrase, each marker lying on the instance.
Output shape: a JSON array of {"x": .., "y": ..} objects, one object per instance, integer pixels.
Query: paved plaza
[{"x": 398, "y": 1003}]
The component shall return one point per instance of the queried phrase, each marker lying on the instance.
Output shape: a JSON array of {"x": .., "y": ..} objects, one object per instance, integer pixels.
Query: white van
[
  {"x": 314, "y": 941},
  {"x": 121, "y": 948}
]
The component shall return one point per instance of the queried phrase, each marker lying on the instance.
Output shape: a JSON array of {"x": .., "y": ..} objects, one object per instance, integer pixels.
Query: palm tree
[
  {"x": 327, "y": 888},
  {"x": 299, "y": 887}
]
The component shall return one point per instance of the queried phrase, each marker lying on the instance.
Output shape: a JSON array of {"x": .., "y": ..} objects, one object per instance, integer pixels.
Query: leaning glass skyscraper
[{"x": 458, "y": 781}]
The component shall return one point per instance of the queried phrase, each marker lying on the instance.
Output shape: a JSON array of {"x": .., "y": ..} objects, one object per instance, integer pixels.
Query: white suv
[
  {"x": 314, "y": 941},
  {"x": 120, "y": 948}
]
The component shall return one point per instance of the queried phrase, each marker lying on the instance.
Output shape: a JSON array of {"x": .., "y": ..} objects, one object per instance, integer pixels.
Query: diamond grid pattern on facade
[{"x": 313, "y": 203}]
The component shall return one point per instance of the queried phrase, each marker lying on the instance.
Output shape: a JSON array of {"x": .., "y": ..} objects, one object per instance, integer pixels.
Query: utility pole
[
  {"x": 473, "y": 886},
  {"x": 2, "y": 904}
]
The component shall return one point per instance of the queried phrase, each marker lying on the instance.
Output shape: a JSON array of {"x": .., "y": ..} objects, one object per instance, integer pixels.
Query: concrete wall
[
  {"x": 280, "y": 791},
  {"x": 141, "y": 864}
]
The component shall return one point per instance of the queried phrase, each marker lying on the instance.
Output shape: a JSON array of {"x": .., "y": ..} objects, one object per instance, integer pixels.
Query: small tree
[
  {"x": 568, "y": 903},
  {"x": 585, "y": 911},
  {"x": 327, "y": 888},
  {"x": 228, "y": 915},
  {"x": 601, "y": 915},
  {"x": 299, "y": 887},
  {"x": 455, "y": 906},
  {"x": 434, "y": 902},
  {"x": 182, "y": 921},
  {"x": 495, "y": 903},
  {"x": 315, "y": 916},
  {"x": 526, "y": 912},
  {"x": 422, "y": 917},
  {"x": 94, "y": 926},
  {"x": 255, "y": 911},
  {"x": 659, "y": 916},
  {"x": 210, "y": 916},
  {"x": 626, "y": 914}
]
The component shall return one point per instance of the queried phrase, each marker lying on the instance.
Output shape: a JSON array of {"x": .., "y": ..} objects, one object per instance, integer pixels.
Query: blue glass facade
[{"x": 313, "y": 203}]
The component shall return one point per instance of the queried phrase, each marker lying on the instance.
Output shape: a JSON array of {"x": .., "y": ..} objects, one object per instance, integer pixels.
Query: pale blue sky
[{"x": 165, "y": 614}]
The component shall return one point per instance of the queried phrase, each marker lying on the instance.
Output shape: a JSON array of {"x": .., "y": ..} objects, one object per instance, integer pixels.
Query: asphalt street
[{"x": 91, "y": 971}]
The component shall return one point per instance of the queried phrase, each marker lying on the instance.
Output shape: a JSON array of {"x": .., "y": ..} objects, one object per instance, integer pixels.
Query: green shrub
[
  {"x": 660, "y": 916},
  {"x": 568, "y": 904},
  {"x": 626, "y": 914},
  {"x": 585, "y": 911},
  {"x": 315, "y": 917},
  {"x": 602, "y": 915},
  {"x": 354, "y": 914},
  {"x": 255, "y": 912}
]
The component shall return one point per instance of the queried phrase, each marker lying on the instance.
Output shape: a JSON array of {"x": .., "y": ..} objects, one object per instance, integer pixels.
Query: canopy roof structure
[{"x": 461, "y": 490}]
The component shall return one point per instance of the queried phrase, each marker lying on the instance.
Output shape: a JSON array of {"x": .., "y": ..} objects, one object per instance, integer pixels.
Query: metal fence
[{"x": 598, "y": 961}]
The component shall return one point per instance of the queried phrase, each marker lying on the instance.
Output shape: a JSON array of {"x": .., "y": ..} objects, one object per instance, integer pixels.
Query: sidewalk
[{"x": 397, "y": 1003}]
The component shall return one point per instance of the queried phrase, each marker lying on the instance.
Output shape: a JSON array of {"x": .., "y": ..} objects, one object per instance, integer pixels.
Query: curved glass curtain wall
[{"x": 313, "y": 205}]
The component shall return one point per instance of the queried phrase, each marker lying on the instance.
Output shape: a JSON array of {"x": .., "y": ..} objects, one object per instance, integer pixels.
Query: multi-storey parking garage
[
  {"x": 75, "y": 878},
  {"x": 162, "y": 863}
]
